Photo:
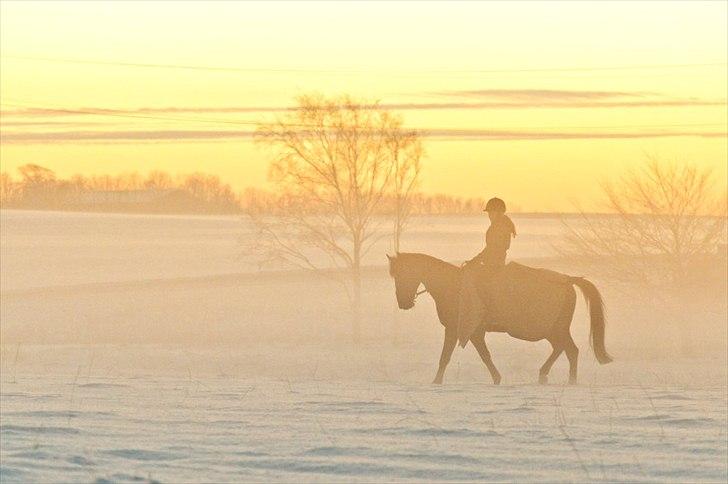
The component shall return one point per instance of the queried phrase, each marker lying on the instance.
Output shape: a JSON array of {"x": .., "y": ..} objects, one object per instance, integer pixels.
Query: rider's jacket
[{"x": 497, "y": 242}]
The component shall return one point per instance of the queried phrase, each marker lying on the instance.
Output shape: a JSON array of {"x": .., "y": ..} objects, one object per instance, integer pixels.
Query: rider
[
  {"x": 497, "y": 237},
  {"x": 483, "y": 267}
]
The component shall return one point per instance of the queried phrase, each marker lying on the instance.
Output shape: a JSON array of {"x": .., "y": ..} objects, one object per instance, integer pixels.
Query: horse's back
[
  {"x": 525, "y": 301},
  {"x": 536, "y": 274}
]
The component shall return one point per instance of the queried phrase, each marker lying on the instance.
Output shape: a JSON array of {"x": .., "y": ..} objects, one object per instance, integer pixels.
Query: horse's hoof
[
  {"x": 572, "y": 381},
  {"x": 496, "y": 380},
  {"x": 437, "y": 381},
  {"x": 543, "y": 379}
]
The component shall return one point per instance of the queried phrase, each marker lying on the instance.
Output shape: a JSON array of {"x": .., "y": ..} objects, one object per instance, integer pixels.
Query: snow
[
  {"x": 144, "y": 348},
  {"x": 221, "y": 429}
]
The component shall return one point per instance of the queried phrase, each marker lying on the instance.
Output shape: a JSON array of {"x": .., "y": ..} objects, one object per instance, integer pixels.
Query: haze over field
[
  {"x": 150, "y": 347},
  {"x": 241, "y": 241}
]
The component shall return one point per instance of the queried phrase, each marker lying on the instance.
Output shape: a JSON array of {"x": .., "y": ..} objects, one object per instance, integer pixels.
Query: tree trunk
[
  {"x": 356, "y": 310},
  {"x": 356, "y": 296},
  {"x": 397, "y": 223}
]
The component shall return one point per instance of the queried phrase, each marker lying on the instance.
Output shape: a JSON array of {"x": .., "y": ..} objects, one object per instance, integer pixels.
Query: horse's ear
[{"x": 390, "y": 258}]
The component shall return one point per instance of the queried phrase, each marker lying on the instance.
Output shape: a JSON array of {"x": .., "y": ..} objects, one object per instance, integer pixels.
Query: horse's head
[{"x": 406, "y": 281}]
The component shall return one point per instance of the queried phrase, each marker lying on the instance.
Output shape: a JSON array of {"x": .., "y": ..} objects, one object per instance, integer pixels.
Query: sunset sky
[{"x": 534, "y": 102}]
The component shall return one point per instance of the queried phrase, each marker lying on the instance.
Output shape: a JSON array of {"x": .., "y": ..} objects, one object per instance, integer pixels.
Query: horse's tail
[{"x": 595, "y": 303}]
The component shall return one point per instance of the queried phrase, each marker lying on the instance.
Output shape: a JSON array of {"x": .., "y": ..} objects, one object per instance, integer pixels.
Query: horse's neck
[{"x": 440, "y": 280}]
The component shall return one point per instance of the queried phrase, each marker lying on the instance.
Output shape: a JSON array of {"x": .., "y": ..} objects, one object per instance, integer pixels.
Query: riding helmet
[{"x": 495, "y": 205}]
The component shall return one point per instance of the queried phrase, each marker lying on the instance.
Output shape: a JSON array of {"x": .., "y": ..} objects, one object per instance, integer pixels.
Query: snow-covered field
[
  {"x": 142, "y": 348},
  {"x": 253, "y": 429}
]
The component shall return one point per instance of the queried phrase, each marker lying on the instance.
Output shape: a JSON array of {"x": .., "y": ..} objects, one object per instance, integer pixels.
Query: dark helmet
[{"x": 495, "y": 205}]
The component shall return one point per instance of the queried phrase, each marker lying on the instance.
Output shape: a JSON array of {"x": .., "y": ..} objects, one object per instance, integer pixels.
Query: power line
[{"x": 360, "y": 70}]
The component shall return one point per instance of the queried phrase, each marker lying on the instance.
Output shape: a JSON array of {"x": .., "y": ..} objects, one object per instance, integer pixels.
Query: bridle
[{"x": 418, "y": 293}]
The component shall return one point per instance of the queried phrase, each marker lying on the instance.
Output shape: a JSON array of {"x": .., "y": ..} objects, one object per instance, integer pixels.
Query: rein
[{"x": 420, "y": 292}]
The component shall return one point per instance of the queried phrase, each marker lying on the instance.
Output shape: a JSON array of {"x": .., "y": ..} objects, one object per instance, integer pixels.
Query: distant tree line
[
  {"x": 39, "y": 188},
  {"x": 270, "y": 203}
]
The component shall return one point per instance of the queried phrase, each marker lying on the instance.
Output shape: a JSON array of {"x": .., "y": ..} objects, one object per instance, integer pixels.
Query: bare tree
[
  {"x": 158, "y": 180},
  {"x": 666, "y": 217},
  {"x": 36, "y": 175},
  {"x": 40, "y": 187},
  {"x": 213, "y": 194},
  {"x": 335, "y": 161},
  {"x": 406, "y": 151},
  {"x": 10, "y": 190}
]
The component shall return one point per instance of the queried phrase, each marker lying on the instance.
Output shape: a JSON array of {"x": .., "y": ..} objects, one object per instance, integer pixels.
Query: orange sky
[{"x": 535, "y": 102}]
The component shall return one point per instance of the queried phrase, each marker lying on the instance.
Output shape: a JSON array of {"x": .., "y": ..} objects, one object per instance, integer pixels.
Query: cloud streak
[
  {"x": 229, "y": 135},
  {"x": 555, "y": 104},
  {"x": 53, "y": 124},
  {"x": 542, "y": 95},
  {"x": 554, "y": 100}
]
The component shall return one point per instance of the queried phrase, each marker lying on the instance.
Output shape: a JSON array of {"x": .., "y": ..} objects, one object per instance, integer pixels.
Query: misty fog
[{"x": 134, "y": 314}]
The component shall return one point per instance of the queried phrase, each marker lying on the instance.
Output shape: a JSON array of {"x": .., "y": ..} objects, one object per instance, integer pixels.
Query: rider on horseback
[
  {"x": 497, "y": 237},
  {"x": 483, "y": 268}
]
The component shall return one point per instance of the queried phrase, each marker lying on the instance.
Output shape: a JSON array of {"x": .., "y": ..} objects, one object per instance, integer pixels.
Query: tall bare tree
[
  {"x": 406, "y": 152},
  {"x": 666, "y": 217},
  {"x": 335, "y": 160}
]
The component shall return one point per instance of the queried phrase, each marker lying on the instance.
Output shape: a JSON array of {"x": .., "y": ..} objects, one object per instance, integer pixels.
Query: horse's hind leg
[
  {"x": 478, "y": 340},
  {"x": 572, "y": 353},
  {"x": 561, "y": 340},
  {"x": 543, "y": 373}
]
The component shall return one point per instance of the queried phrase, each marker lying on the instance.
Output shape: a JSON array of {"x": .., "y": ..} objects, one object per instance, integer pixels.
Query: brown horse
[{"x": 536, "y": 305}]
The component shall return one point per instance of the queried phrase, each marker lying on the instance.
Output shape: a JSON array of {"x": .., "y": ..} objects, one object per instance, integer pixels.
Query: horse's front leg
[
  {"x": 451, "y": 337},
  {"x": 478, "y": 340}
]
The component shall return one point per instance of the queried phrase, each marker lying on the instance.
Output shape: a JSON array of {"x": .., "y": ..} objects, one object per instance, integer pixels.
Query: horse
[{"x": 547, "y": 302}]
